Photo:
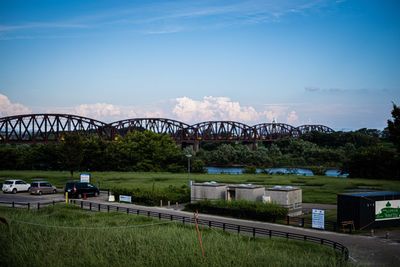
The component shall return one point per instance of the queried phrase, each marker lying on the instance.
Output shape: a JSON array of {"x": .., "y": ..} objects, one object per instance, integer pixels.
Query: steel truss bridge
[{"x": 42, "y": 128}]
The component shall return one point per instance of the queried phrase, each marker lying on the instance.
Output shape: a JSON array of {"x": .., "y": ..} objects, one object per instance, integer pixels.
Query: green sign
[{"x": 387, "y": 210}]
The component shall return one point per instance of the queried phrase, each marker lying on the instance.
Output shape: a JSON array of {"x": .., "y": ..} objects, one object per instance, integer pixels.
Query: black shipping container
[{"x": 368, "y": 210}]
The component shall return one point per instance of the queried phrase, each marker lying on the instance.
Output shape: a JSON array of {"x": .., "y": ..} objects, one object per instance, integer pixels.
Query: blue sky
[{"x": 307, "y": 61}]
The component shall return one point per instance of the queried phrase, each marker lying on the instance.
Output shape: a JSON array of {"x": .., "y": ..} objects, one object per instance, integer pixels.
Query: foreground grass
[
  {"x": 67, "y": 236},
  {"x": 316, "y": 189}
]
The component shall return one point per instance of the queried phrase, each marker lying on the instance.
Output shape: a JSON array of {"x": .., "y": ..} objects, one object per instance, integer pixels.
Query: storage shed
[
  {"x": 287, "y": 196},
  {"x": 368, "y": 210},
  {"x": 207, "y": 190}
]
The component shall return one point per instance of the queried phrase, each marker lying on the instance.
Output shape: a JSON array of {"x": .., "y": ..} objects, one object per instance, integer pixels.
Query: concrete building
[
  {"x": 207, "y": 191},
  {"x": 245, "y": 192},
  {"x": 287, "y": 196}
]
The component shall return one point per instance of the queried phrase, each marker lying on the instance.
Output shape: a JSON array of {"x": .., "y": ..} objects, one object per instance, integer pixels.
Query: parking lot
[{"x": 25, "y": 197}]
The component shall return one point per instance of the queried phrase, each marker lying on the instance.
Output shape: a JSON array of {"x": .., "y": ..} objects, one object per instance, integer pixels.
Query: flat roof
[
  {"x": 245, "y": 186},
  {"x": 371, "y": 193},
  {"x": 208, "y": 184},
  {"x": 283, "y": 188}
]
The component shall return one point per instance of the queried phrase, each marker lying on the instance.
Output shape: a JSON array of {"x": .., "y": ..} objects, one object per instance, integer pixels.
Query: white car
[{"x": 14, "y": 186}]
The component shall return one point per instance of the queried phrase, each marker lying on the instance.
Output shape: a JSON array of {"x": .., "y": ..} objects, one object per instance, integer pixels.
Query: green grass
[
  {"x": 317, "y": 189},
  {"x": 68, "y": 236}
]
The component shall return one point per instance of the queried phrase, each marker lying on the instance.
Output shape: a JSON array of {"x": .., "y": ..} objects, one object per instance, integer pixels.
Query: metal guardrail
[
  {"x": 254, "y": 231},
  {"x": 28, "y": 205}
]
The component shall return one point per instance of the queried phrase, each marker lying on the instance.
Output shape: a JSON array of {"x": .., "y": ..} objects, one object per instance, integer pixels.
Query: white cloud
[
  {"x": 292, "y": 117},
  {"x": 7, "y": 108},
  {"x": 223, "y": 108}
]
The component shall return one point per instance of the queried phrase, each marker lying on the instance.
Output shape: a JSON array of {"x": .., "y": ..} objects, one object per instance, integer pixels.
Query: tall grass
[
  {"x": 317, "y": 189},
  {"x": 66, "y": 236}
]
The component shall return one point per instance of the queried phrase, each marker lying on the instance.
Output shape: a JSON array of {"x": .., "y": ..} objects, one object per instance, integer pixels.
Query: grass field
[
  {"x": 68, "y": 236},
  {"x": 316, "y": 189}
]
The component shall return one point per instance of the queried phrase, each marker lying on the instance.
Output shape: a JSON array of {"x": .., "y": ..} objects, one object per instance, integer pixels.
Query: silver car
[{"x": 42, "y": 187}]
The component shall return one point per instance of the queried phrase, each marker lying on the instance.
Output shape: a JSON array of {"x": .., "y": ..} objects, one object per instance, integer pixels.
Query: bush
[
  {"x": 153, "y": 197},
  {"x": 240, "y": 209},
  {"x": 250, "y": 170}
]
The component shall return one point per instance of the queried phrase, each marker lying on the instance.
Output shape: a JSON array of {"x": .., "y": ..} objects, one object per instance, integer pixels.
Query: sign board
[
  {"x": 123, "y": 198},
  {"x": 318, "y": 219},
  {"x": 85, "y": 177},
  {"x": 387, "y": 210}
]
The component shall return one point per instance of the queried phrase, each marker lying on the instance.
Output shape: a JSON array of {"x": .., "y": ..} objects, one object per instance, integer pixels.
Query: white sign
[
  {"x": 85, "y": 177},
  {"x": 123, "y": 198},
  {"x": 387, "y": 210},
  {"x": 318, "y": 219}
]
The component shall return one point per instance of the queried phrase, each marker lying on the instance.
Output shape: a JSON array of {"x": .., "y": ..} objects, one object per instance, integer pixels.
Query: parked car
[
  {"x": 79, "y": 189},
  {"x": 42, "y": 187},
  {"x": 14, "y": 186}
]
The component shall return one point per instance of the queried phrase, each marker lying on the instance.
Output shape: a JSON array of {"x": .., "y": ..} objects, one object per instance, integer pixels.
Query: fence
[
  {"x": 253, "y": 231},
  {"x": 307, "y": 223},
  {"x": 35, "y": 205}
]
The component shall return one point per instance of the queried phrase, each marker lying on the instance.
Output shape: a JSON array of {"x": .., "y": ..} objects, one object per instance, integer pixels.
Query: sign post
[
  {"x": 85, "y": 177},
  {"x": 318, "y": 219}
]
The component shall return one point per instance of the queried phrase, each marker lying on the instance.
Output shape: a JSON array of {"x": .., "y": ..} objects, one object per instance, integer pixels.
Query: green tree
[
  {"x": 72, "y": 152},
  {"x": 394, "y": 126}
]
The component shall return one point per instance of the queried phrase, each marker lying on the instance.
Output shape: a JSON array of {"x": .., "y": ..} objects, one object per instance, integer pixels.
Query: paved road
[
  {"x": 23, "y": 197},
  {"x": 364, "y": 250}
]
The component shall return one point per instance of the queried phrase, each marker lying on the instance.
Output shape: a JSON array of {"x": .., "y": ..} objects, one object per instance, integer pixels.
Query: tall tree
[
  {"x": 394, "y": 126},
  {"x": 72, "y": 152}
]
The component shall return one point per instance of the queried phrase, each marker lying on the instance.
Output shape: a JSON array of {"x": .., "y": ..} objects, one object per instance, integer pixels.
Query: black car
[{"x": 80, "y": 189}]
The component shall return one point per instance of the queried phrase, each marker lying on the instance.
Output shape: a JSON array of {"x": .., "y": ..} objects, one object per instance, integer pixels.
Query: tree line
[{"x": 367, "y": 153}]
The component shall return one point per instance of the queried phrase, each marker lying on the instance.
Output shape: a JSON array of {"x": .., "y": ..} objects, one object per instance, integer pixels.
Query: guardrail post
[
  {"x": 90, "y": 205},
  {"x": 148, "y": 213},
  {"x": 183, "y": 220},
  {"x": 159, "y": 216},
  {"x": 81, "y": 205},
  {"x": 270, "y": 234},
  {"x": 108, "y": 208},
  {"x": 54, "y": 202},
  {"x": 254, "y": 232},
  {"x": 209, "y": 224},
  {"x": 322, "y": 241},
  {"x": 238, "y": 229},
  {"x": 302, "y": 222},
  {"x": 13, "y": 205},
  {"x": 38, "y": 205},
  {"x": 127, "y": 210},
  {"x": 287, "y": 220},
  {"x": 99, "y": 206},
  {"x": 117, "y": 208},
  {"x": 137, "y": 212},
  {"x": 223, "y": 226},
  {"x": 29, "y": 206},
  {"x": 171, "y": 217}
]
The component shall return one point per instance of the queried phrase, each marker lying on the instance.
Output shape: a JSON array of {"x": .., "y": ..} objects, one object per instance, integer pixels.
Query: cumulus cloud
[
  {"x": 223, "y": 108},
  {"x": 213, "y": 108},
  {"x": 7, "y": 108},
  {"x": 108, "y": 112},
  {"x": 292, "y": 117}
]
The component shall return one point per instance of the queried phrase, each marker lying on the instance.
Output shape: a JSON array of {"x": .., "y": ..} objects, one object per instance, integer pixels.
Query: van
[{"x": 81, "y": 189}]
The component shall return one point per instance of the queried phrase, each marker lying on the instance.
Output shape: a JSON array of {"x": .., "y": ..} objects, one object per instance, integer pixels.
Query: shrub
[
  {"x": 153, "y": 197},
  {"x": 240, "y": 209},
  {"x": 250, "y": 170}
]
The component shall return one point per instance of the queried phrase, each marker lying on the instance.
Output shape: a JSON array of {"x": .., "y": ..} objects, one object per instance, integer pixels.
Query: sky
[{"x": 335, "y": 63}]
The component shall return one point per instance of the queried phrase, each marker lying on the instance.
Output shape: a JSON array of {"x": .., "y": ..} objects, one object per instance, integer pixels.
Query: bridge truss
[{"x": 42, "y": 128}]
